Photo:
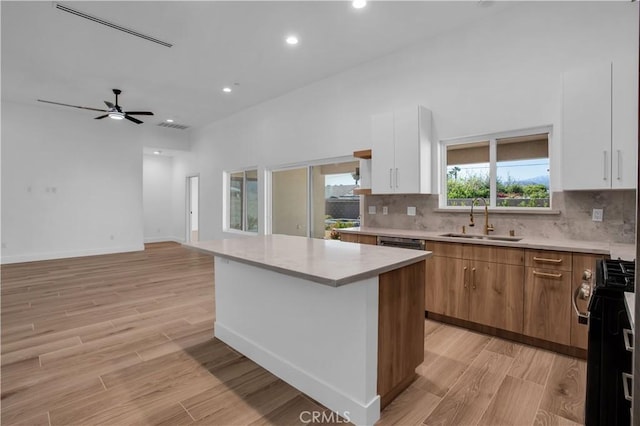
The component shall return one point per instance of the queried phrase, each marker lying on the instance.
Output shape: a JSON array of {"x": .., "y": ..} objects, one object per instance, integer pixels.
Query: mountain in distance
[{"x": 543, "y": 180}]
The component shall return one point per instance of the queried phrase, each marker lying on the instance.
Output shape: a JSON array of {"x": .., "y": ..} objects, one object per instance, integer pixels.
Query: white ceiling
[{"x": 53, "y": 55}]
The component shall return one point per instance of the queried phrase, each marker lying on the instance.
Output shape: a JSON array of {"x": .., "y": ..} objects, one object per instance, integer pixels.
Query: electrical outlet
[
  {"x": 411, "y": 211},
  {"x": 4, "y": 245},
  {"x": 111, "y": 237},
  {"x": 597, "y": 215},
  {"x": 385, "y": 210},
  {"x": 372, "y": 209}
]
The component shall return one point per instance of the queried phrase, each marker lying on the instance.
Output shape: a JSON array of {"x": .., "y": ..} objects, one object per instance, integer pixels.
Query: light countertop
[
  {"x": 623, "y": 251},
  {"x": 329, "y": 262}
]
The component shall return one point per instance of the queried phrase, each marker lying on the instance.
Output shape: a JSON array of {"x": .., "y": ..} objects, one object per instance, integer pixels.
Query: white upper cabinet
[
  {"x": 401, "y": 152},
  {"x": 600, "y": 126}
]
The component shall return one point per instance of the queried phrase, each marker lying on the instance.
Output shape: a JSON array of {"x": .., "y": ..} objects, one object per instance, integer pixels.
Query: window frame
[
  {"x": 227, "y": 201},
  {"x": 493, "y": 139}
]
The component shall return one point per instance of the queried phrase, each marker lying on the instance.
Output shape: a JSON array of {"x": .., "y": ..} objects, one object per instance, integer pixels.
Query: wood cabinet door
[
  {"x": 581, "y": 262},
  {"x": 348, "y": 238},
  {"x": 496, "y": 298},
  {"x": 547, "y": 305},
  {"x": 456, "y": 276},
  {"x": 368, "y": 239},
  {"x": 435, "y": 284}
]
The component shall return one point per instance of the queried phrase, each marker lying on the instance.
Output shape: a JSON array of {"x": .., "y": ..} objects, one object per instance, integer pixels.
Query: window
[
  {"x": 243, "y": 201},
  {"x": 508, "y": 170}
]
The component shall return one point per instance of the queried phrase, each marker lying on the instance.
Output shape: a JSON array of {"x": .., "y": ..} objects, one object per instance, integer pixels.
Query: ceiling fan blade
[
  {"x": 139, "y": 112},
  {"x": 109, "y": 105},
  {"x": 72, "y": 106},
  {"x": 102, "y": 116},
  {"x": 135, "y": 120}
]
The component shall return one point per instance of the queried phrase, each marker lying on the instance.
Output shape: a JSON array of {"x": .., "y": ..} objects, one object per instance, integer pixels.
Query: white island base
[
  {"x": 351, "y": 344},
  {"x": 320, "y": 339}
]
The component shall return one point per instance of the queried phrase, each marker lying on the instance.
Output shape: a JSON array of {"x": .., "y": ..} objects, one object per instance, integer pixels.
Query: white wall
[
  {"x": 157, "y": 200},
  {"x": 71, "y": 185},
  {"x": 499, "y": 74}
]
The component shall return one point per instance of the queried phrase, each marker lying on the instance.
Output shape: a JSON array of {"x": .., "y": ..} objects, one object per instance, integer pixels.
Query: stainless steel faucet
[{"x": 487, "y": 228}]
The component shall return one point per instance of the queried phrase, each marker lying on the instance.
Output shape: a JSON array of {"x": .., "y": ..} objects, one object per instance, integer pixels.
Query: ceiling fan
[{"x": 115, "y": 111}]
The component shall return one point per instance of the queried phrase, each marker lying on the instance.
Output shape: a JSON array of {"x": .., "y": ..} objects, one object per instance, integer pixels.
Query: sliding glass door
[
  {"x": 289, "y": 207},
  {"x": 314, "y": 199}
]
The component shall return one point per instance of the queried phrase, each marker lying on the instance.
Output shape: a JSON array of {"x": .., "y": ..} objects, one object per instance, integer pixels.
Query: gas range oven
[{"x": 609, "y": 354}]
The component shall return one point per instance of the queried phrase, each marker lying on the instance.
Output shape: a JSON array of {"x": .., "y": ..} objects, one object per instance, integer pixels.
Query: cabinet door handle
[
  {"x": 396, "y": 177},
  {"x": 628, "y": 339},
  {"x": 547, "y": 274},
  {"x": 473, "y": 278},
  {"x": 464, "y": 277},
  {"x": 604, "y": 165},
  {"x": 626, "y": 378},
  {"x": 619, "y": 164},
  {"x": 391, "y": 178},
  {"x": 546, "y": 260}
]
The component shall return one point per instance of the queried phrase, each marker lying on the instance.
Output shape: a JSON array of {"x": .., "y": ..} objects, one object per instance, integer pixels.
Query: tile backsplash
[{"x": 573, "y": 222}]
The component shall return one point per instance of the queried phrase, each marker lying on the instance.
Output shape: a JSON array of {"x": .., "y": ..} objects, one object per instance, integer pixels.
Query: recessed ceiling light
[
  {"x": 169, "y": 120},
  {"x": 157, "y": 152},
  {"x": 226, "y": 89},
  {"x": 291, "y": 40},
  {"x": 359, "y": 4}
]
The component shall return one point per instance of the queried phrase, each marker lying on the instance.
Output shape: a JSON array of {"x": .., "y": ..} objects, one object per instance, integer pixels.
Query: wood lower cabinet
[
  {"x": 484, "y": 292},
  {"x": 496, "y": 295},
  {"x": 547, "y": 305},
  {"x": 359, "y": 238}
]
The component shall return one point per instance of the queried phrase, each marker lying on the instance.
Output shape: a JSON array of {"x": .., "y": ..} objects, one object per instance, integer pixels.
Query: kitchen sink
[{"x": 481, "y": 237}]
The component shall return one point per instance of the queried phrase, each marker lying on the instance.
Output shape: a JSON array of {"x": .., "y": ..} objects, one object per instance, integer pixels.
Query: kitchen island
[{"x": 343, "y": 323}]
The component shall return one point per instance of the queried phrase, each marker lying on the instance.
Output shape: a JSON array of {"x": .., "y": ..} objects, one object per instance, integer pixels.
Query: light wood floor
[{"x": 127, "y": 339}]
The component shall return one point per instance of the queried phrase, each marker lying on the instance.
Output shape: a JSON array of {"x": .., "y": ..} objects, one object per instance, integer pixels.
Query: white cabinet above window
[
  {"x": 600, "y": 126},
  {"x": 401, "y": 152}
]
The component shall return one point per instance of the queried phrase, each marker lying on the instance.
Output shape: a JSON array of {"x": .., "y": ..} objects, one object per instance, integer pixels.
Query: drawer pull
[
  {"x": 547, "y": 274},
  {"x": 543, "y": 259},
  {"x": 628, "y": 338},
  {"x": 626, "y": 378}
]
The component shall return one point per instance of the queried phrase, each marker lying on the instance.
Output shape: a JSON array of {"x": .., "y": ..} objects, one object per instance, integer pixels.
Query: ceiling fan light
[{"x": 116, "y": 115}]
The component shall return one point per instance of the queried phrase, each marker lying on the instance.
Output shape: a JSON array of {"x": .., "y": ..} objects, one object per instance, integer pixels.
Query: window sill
[{"x": 498, "y": 210}]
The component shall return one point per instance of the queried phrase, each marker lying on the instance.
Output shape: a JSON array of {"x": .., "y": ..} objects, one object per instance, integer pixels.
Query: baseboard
[
  {"x": 163, "y": 240},
  {"x": 35, "y": 257},
  {"x": 343, "y": 405}
]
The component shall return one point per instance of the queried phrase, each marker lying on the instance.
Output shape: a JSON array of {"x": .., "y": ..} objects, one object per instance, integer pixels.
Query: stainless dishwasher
[{"x": 408, "y": 243}]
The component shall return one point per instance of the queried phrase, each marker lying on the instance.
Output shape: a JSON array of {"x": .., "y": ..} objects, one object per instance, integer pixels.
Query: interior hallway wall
[
  {"x": 71, "y": 185},
  {"x": 157, "y": 173}
]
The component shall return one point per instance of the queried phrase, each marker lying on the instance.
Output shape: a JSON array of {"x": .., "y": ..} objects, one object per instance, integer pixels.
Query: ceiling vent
[
  {"x": 173, "y": 125},
  {"x": 111, "y": 25}
]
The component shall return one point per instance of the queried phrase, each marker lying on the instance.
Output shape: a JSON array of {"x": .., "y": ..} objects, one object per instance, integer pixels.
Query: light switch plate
[
  {"x": 372, "y": 209},
  {"x": 597, "y": 215},
  {"x": 385, "y": 210},
  {"x": 411, "y": 211}
]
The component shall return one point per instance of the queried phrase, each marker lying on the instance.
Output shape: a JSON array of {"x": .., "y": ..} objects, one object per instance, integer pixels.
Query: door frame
[{"x": 188, "y": 211}]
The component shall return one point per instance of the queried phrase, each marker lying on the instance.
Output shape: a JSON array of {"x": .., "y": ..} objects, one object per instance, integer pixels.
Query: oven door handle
[
  {"x": 582, "y": 293},
  {"x": 626, "y": 378},
  {"x": 628, "y": 339}
]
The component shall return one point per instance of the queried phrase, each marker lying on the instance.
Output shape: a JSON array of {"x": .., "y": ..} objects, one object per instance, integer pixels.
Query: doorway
[{"x": 193, "y": 195}]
